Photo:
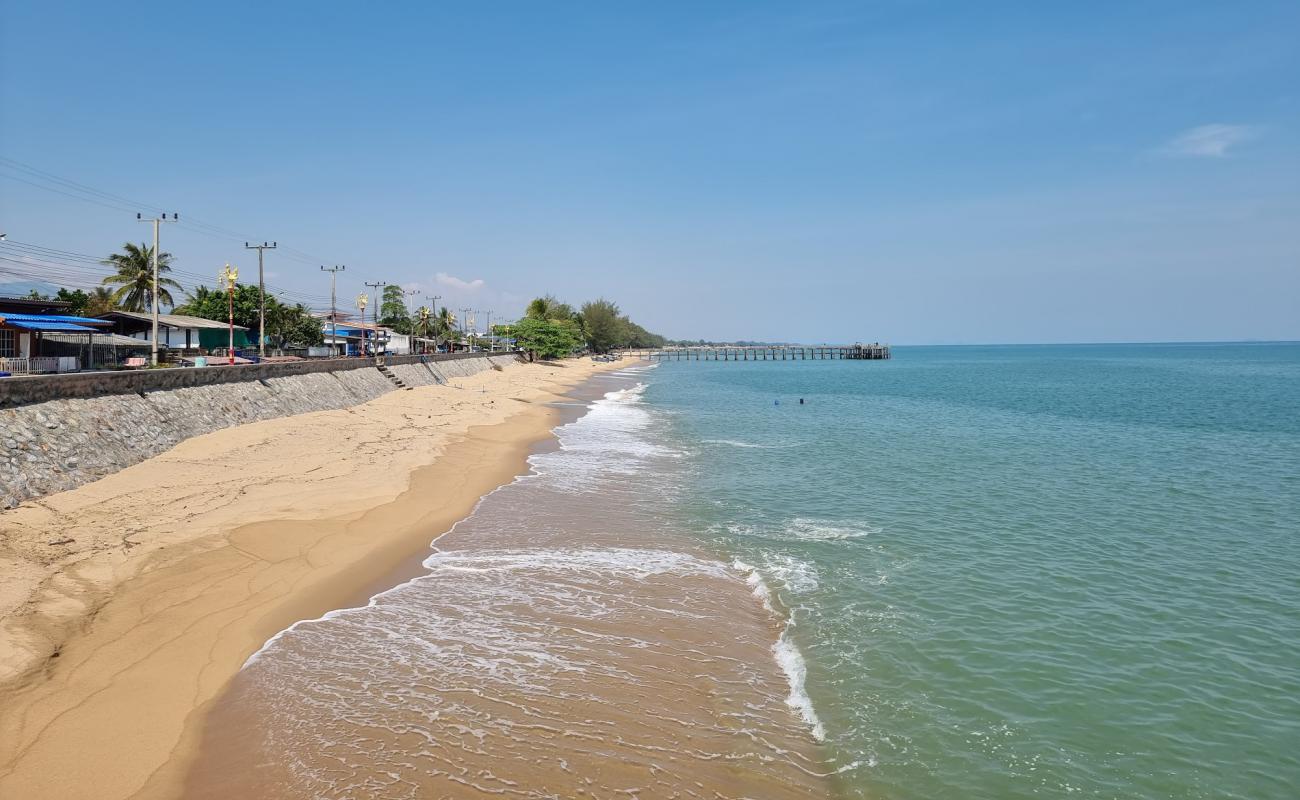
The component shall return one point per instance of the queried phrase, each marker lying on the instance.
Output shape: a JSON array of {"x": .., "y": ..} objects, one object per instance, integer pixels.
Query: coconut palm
[
  {"x": 100, "y": 302},
  {"x": 422, "y": 324},
  {"x": 548, "y": 308},
  {"x": 134, "y": 277},
  {"x": 444, "y": 325},
  {"x": 541, "y": 308}
]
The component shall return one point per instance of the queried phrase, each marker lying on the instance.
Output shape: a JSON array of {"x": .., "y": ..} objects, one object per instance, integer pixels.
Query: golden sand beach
[
  {"x": 117, "y": 642},
  {"x": 179, "y": 567}
]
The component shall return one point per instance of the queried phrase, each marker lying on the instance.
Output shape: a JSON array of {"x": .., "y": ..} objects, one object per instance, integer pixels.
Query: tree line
[
  {"x": 552, "y": 329},
  {"x": 549, "y": 328}
]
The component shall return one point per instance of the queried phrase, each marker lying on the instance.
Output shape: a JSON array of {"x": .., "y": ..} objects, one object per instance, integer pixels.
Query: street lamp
[
  {"x": 422, "y": 315},
  {"x": 362, "y": 300},
  {"x": 229, "y": 275}
]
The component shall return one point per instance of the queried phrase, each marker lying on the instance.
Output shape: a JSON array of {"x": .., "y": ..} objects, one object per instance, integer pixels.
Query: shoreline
[
  {"x": 115, "y": 710},
  {"x": 564, "y": 665}
]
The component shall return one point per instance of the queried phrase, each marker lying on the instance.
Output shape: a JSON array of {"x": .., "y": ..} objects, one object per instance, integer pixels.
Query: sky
[{"x": 903, "y": 172}]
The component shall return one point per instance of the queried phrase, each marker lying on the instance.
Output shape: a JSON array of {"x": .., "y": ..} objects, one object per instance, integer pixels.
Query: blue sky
[{"x": 912, "y": 172}]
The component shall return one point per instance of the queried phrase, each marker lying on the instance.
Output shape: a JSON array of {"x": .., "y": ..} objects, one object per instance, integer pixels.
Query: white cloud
[
  {"x": 452, "y": 282},
  {"x": 1208, "y": 141}
]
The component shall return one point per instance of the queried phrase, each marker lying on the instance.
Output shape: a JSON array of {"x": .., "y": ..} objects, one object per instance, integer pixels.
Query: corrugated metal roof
[
  {"x": 101, "y": 338},
  {"x": 48, "y": 326},
  {"x": 172, "y": 320},
  {"x": 51, "y": 318}
]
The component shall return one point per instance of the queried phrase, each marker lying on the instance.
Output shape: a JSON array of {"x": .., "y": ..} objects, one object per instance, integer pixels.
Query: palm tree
[
  {"x": 134, "y": 277},
  {"x": 422, "y": 324},
  {"x": 100, "y": 302},
  {"x": 444, "y": 325},
  {"x": 541, "y": 308}
]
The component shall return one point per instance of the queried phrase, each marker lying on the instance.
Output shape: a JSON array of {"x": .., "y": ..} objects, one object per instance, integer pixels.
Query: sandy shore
[{"x": 126, "y": 605}]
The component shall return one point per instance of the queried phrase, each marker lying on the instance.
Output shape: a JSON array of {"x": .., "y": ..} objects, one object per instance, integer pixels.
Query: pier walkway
[{"x": 783, "y": 352}]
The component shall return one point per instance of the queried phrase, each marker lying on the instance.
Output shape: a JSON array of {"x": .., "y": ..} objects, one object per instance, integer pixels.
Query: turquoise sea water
[{"x": 1020, "y": 571}]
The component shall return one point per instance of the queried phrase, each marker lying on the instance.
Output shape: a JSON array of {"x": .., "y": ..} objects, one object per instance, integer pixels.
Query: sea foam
[{"x": 787, "y": 654}]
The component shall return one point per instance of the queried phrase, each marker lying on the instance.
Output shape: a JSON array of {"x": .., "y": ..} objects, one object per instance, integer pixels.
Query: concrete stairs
[{"x": 388, "y": 373}]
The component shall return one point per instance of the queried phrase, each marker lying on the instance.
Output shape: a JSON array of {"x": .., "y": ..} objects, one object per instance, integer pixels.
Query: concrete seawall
[{"x": 61, "y": 431}]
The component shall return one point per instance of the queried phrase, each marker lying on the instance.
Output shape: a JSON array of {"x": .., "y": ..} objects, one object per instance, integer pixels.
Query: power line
[
  {"x": 50, "y": 176},
  {"x": 54, "y": 254},
  {"x": 66, "y": 194},
  {"x": 81, "y": 271},
  {"x": 90, "y": 194}
]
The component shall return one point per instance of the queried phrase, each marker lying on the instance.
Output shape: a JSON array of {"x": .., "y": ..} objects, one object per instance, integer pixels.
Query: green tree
[
  {"x": 285, "y": 325},
  {"x": 134, "y": 277},
  {"x": 393, "y": 312},
  {"x": 292, "y": 326},
  {"x": 422, "y": 322},
  {"x": 541, "y": 308},
  {"x": 548, "y": 308},
  {"x": 444, "y": 326},
  {"x": 636, "y": 336},
  {"x": 100, "y": 301},
  {"x": 544, "y": 338},
  {"x": 603, "y": 325},
  {"x": 75, "y": 298},
  {"x": 213, "y": 304}
]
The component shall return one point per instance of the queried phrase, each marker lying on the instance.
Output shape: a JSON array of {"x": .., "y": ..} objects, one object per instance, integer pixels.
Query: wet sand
[
  {"x": 562, "y": 641},
  {"x": 113, "y": 647}
]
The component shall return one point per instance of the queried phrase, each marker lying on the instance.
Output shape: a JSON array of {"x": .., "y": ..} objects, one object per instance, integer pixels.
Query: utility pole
[
  {"x": 379, "y": 301},
  {"x": 261, "y": 295},
  {"x": 334, "y": 312},
  {"x": 491, "y": 341},
  {"x": 433, "y": 309},
  {"x": 464, "y": 323},
  {"x": 153, "y": 350},
  {"x": 410, "y": 336}
]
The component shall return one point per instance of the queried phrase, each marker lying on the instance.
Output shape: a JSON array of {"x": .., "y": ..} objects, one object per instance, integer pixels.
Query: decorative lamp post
[
  {"x": 229, "y": 275},
  {"x": 362, "y": 300}
]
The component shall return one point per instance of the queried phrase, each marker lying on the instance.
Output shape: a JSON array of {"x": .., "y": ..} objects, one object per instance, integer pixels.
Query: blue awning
[
  {"x": 54, "y": 318},
  {"x": 45, "y": 325}
]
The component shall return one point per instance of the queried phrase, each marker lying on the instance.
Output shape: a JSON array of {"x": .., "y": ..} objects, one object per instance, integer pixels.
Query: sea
[{"x": 965, "y": 572}]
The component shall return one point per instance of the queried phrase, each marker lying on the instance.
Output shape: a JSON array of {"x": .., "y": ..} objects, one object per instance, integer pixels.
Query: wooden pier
[{"x": 782, "y": 352}]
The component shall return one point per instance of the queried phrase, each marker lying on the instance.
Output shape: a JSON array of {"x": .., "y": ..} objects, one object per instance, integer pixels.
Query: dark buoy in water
[
  {"x": 800, "y": 401},
  {"x": 776, "y": 402}
]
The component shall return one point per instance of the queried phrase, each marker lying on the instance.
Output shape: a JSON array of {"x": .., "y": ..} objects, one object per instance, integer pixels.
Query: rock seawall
[{"x": 94, "y": 424}]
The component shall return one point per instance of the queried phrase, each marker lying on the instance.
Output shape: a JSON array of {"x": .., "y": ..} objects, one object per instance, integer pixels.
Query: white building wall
[
  {"x": 398, "y": 343},
  {"x": 171, "y": 337}
]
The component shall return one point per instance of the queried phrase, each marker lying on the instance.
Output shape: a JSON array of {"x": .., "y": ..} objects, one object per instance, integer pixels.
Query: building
[
  {"x": 399, "y": 344},
  {"x": 193, "y": 335},
  {"x": 33, "y": 305},
  {"x": 26, "y": 346},
  {"x": 344, "y": 336}
]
